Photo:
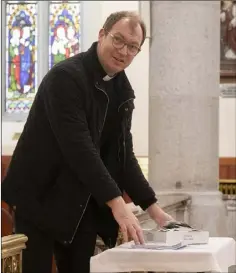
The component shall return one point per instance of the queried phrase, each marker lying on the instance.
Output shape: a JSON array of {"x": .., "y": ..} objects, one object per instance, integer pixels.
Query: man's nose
[{"x": 124, "y": 50}]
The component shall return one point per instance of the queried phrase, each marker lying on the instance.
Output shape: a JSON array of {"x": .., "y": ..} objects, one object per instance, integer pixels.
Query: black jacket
[{"x": 56, "y": 166}]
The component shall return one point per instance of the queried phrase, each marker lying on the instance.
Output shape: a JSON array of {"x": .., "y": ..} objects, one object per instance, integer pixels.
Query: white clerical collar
[{"x": 108, "y": 78}]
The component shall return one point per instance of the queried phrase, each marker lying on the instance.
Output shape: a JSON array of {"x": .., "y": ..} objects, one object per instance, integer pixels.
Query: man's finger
[
  {"x": 134, "y": 236},
  {"x": 140, "y": 236},
  {"x": 125, "y": 237},
  {"x": 136, "y": 220},
  {"x": 125, "y": 233}
]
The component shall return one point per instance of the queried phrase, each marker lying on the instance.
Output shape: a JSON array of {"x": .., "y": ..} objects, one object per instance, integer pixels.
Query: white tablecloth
[{"x": 217, "y": 256}]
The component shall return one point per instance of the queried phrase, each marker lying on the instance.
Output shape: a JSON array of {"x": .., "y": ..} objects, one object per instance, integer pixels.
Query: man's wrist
[
  {"x": 115, "y": 202},
  {"x": 154, "y": 210}
]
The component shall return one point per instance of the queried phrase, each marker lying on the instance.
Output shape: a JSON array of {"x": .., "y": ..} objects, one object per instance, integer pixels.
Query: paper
[
  {"x": 155, "y": 246},
  {"x": 174, "y": 236}
]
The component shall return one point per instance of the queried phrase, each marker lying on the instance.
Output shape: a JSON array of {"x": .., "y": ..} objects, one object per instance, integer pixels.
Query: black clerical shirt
[{"x": 111, "y": 122}]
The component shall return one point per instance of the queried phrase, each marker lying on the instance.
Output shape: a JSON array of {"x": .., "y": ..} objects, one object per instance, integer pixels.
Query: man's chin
[{"x": 116, "y": 70}]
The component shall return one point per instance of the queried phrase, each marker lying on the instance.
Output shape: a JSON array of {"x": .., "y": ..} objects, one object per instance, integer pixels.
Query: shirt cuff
[{"x": 147, "y": 203}]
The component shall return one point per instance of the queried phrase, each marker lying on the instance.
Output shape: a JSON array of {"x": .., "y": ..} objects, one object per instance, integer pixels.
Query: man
[{"x": 75, "y": 159}]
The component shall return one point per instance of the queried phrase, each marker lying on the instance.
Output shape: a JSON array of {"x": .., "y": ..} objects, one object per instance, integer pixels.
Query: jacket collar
[{"x": 97, "y": 73}]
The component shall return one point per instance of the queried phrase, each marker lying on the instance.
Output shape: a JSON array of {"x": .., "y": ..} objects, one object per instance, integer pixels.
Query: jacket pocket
[{"x": 64, "y": 205}]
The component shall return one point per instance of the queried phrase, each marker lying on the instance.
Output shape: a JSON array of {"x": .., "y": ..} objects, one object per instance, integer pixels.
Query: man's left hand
[{"x": 159, "y": 216}]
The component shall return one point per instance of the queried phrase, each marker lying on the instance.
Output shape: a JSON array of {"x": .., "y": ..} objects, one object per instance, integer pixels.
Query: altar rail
[
  {"x": 227, "y": 186},
  {"x": 227, "y": 175},
  {"x": 12, "y": 246}
]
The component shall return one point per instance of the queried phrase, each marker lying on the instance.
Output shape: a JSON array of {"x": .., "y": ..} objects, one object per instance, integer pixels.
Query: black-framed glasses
[{"x": 119, "y": 43}]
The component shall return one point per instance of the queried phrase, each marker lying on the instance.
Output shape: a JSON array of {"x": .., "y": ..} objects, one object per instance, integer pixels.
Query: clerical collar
[
  {"x": 108, "y": 78},
  {"x": 96, "y": 65}
]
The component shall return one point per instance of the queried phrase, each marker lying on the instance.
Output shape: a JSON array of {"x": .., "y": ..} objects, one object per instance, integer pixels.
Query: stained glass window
[
  {"x": 64, "y": 34},
  {"x": 57, "y": 23},
  {"x": 21, "y": 58}
]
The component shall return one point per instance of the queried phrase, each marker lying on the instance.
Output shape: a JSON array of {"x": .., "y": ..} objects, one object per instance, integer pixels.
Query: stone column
[{"x": 184, "y": 104}]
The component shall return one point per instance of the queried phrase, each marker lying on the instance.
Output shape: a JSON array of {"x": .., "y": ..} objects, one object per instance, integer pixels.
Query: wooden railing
[
  {"x": 227, "y": 186},
  {"x": 227, "y": 181},
  {"x": 12, "y": 247}
]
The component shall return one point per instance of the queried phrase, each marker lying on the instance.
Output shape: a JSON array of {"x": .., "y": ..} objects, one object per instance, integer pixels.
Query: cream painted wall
[
  {"x": 94, "y": 14},
  {"x": 227, "y": 127}
]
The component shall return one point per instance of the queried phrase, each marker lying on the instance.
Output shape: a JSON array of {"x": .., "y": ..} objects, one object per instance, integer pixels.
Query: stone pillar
[{"x": 184, "y": 104}]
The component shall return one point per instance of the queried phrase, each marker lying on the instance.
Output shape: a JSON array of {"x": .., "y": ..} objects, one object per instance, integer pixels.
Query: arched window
[
  {"x": 38, "y": 34},
  {"x": 64, "y": 31}
]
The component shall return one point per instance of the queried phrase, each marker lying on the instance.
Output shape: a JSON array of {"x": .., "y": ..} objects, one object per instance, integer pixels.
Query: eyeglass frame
[{"x": 124, "y": 43}]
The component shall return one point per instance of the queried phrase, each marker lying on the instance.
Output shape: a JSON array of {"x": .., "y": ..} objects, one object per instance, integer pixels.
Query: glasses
[{"x": 119, "y": 43}]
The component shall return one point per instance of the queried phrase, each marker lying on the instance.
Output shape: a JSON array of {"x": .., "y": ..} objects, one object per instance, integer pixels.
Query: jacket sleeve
[
  {"x": 64, "y": 108},
  {"x": 135, "y": 183}
]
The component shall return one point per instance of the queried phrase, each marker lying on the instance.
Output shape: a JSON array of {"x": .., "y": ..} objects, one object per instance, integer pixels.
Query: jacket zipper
[
  {"x": 77, "y": 226},
  {"x": 108, "y": 101},
  {"x": 124, "y": 151},
  {"x": 124, "y": 103},
  {"x": 124, "y": 146},
  {"x": 80, "y": 220}
]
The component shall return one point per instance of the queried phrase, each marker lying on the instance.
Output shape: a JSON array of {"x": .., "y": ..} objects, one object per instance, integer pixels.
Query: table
[{"x": 217, "y": 256}]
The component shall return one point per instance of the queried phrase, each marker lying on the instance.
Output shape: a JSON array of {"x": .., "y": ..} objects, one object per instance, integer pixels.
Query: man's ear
[{"x": 101, "y": 34}]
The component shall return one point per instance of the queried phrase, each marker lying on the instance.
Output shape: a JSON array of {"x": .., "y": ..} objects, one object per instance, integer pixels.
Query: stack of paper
[
  {"x": 176, "y": 234},
  {"x": 154, "y": 246}
]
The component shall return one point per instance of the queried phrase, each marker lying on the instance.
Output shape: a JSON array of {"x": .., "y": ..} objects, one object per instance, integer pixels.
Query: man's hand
[
  {"x": 127, "y": 221},
  {"x": 159, "y": 216}
]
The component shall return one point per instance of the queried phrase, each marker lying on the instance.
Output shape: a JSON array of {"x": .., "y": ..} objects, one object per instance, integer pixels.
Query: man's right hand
[{"x": 127, "y": 221}]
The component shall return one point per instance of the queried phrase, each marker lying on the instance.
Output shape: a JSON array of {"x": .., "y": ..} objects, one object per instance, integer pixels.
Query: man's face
[{"x": 113, "y": 59}]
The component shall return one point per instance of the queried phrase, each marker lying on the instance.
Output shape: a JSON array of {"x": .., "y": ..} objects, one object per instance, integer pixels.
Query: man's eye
[
  {"x": 118, "y": 40},
  {"x": 133, "y": 48}
]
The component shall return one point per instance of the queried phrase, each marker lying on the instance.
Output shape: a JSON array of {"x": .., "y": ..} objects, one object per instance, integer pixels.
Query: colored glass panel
[
  {"x": 21, "y": 43},
  {"x": 64, "y": 30}
]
